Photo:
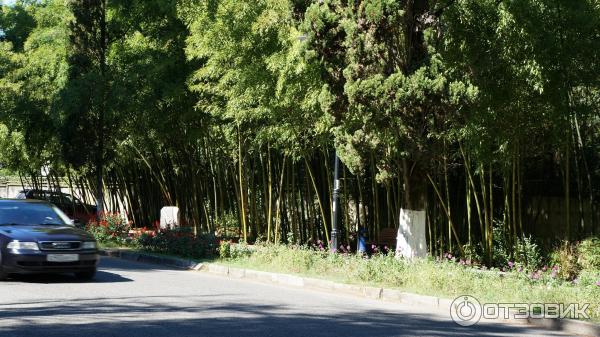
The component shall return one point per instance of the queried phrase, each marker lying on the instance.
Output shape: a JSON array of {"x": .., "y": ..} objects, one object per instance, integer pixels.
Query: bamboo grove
[{"x": 485, "y": 113}]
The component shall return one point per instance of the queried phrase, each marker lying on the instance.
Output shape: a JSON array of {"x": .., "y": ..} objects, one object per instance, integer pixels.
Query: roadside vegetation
[
  {"x": 113, "y": 230},
  {"x": 482, "y": 113},
  {"x": 568, "y": 278},
  {"x": 570, "y": 273}
]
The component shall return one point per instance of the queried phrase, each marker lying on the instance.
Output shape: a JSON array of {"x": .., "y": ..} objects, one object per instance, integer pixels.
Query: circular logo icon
[{"x": 465, "y": 310}]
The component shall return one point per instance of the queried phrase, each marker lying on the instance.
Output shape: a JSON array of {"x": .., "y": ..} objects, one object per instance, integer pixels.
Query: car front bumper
[{"x": 37, "y": 262}]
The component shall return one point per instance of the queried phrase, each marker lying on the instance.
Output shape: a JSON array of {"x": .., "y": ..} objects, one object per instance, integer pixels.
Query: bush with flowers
[
  {"x": 178, "y": 241},
  {"x": 110, "y": 228}
]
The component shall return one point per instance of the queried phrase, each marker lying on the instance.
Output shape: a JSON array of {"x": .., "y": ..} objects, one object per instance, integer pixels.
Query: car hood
[{"x": 45, "y": 233}]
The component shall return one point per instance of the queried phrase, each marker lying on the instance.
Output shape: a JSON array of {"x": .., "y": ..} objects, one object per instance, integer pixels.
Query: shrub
[
  {"x": 527, "y": 253},
  {"x": 228, "y": 226},
  {"x": 229, "y": 250},
  {"x": 589, "y": 254},
  {"x": 572, "y": 259},
  {"x": 179, "y": 241},
  {"x": 589, "y": 278},
  {"x": 565, "y": 258},
  {"x": 112, "y": 228},
  {"x": 473, "y": 253},
  {"x": 500, "y": 247},
  {"x": 225, "y": 249},
  {"x": 240, "y": 250}
]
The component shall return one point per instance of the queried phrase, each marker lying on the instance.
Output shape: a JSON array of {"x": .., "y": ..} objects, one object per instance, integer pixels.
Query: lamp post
[
  {"x": 336, "y": 192},
  {"x": 335, "y": 204}
]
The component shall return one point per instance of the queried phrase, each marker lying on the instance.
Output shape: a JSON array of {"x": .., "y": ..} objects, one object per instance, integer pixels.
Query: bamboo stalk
[
  {"x": 321, "y": 208},
  {"x": 278, "y": 206},
  {"x": 447, "y": 197},
  {"x": 241, "y": 190},
  {"x": 437, "y": 192},
  {"x": 473, "y": 189}
]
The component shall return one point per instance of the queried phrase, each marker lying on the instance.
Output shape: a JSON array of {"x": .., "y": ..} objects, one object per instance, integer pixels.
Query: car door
[
  {"x": 80, "y": 212},
  {"x": 58, "y": 199}
]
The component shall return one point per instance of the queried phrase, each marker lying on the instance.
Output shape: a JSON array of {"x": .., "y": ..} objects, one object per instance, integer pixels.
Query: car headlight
[
  {"x": 89, "y": 245},
  {"x": 23, "y": 245}
]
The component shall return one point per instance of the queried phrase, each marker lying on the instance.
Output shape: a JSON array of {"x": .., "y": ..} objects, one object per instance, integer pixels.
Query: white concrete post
[
  {"x": 169, "y": 217},
  {"x": 411, "y": 241}
]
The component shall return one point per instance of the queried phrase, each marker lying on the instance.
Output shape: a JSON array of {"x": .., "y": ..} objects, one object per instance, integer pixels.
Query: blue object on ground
[{"x": 362, "y": 240}]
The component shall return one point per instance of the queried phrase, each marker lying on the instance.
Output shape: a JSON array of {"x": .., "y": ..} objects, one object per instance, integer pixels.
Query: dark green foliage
[
  {"x": 484, "y": 113},
  {"x": 181, "y": 242},
  {"x": 16, "y": 23},
  {"x": 527, "y": 253},
  {"x": 589, "y": 253},
  {"x": 86, "y": 93},
  {"x": 229, "y": 250}
]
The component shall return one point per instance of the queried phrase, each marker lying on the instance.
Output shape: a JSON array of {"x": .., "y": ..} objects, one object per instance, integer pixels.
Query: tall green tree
[
  {"x": 482, "y": 113},
  {"x": 86, "y": 94},
  {"x": 17, "y": 22}
]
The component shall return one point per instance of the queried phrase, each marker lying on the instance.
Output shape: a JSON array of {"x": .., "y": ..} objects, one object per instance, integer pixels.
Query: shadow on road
[
  {"x": 143, "y": 311},
  {"x": 149, "y": 318},
  {"x": 117, "y": 264},
  {"x": 101, "y": 277}
]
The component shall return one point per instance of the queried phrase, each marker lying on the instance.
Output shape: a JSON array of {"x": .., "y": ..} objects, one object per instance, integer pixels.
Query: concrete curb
[
  {"x": 575, "y": 327},
  {"x": 150, "y": 258}
]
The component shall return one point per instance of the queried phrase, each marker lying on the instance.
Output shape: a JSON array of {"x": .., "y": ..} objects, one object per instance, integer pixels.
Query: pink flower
[
  {"x": 511, "y": 264},
  {"x": 598, "y": 283}
]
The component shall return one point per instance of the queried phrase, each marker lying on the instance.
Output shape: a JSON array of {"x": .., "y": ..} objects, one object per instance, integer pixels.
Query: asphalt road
[{"x": 134, "y": 299}]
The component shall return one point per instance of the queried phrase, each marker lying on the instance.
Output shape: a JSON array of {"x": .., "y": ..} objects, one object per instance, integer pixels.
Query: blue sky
[{"x": 7, "y": 2}]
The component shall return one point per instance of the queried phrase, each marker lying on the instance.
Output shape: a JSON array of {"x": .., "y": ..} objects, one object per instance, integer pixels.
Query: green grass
[{"x": 426, "y": 277}]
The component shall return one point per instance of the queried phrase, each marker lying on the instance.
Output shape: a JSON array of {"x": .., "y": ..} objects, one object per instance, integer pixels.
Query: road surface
[{"x": 133, "y": 299}]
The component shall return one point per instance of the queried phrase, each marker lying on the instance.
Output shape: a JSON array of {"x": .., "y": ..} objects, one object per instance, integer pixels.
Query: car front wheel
[{"x": 86, "y": 275}]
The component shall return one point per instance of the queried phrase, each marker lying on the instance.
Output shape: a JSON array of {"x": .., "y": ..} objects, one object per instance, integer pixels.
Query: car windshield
[{"x": 29, "y": 214}]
